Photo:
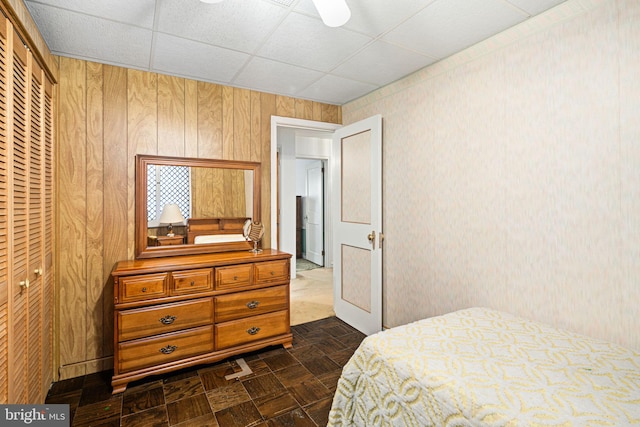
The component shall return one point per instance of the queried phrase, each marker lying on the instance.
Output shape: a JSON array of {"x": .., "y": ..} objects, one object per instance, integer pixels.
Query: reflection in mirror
[
  {"x": 214, "y": 199},
  {"x": 198, "y": 192}
]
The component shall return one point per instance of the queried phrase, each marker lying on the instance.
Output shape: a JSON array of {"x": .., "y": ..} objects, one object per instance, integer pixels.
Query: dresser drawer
[
  {"x": 160, "y": 319},
  {"x": 238, "y": 332},
  {"x": 191, "y": 281},
  {"x": 250, "y": 303},
  {"x": 233, "y": 277},
  {"x": 147, "y": 286},
  {"x": 271, "y": 271},
  {"x": 148, "y": 352}
]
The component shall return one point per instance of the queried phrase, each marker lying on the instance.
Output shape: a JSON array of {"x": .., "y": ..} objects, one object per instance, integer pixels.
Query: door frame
[{"x": 297, "y": 124}]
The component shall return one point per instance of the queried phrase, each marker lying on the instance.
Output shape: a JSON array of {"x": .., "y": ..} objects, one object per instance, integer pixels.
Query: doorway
[
  {"x": 360, "y": 137},
  {"x": 293, "y": 139}
]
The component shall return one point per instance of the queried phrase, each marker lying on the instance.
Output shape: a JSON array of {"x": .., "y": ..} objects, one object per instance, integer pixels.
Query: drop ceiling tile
[
  {"x": 534, "y": 7},
  {"x": 94, "y": 39},
  {"x": 139, "y": 12},
  {"x": 446, "y": 27},
  {"x": 372, "y": 17},
  {"x": 195, "y": 60},
  {"x": 307, "y": 7},
  {"x": 276, "y": 77},
  {"x": 381, "y": 63},
  {"x": 233, "y": 24},
  {"x": 336, "y": 90},
  {"x": 307, "y": 42},
  {"x": 290, "y": 47}
]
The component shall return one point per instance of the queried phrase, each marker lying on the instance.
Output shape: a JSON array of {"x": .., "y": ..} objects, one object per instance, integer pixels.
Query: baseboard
[{"x": 83, "y": 368}]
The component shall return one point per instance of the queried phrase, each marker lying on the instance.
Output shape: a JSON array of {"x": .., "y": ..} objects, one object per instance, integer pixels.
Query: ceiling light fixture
[
  {"x": 211, "y": 1},
  {"x": 334, "y": 13}
]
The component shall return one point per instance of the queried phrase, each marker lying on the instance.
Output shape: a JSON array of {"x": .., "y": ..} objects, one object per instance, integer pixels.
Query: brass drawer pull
[
  {"x": 253, "y": 330},
  {"x": 168, "y": 319},
  {"x": 168, "y": 349},
  {"x": 193, "y": 282},
  {"x": 235, "y": 277},
  {"x": 273, "y": 273},
  {"x": 144, "y": 289},
  {"x": 253, "y": 304}
]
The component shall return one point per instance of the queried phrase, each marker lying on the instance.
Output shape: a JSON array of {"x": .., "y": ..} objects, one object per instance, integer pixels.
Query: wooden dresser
[{"x": 175, "y": 312}]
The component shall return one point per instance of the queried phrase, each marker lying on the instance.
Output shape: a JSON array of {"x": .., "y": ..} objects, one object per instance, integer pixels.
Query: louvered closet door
[
  {"x": 35, "y": 265},
  {"x": 4, "y": 219},
  {"x": 19, "y": 227},
  {"x": 26, "y": 224},
  {"x": 47, "y": 279}
]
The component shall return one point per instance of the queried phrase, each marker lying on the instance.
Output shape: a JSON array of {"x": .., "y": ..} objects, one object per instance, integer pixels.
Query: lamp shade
[
  {"x": 334, "y": 13},
  {"x": 171, "y": 214}
]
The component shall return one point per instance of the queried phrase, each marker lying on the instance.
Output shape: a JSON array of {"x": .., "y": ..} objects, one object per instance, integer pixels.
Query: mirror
[{"x": 190, "y": 206}]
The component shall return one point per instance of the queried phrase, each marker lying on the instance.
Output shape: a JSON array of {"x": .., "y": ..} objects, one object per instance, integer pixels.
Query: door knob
[{"x": 372, "y": 238}]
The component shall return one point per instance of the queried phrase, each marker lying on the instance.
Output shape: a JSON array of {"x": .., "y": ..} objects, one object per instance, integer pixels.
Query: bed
[
  {"x": 481, "y": 367},
  {"x": 216, "y": 230}
]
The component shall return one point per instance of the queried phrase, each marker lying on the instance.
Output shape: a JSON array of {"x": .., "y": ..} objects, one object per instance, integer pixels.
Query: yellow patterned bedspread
[{"x": 480, "y": 367}]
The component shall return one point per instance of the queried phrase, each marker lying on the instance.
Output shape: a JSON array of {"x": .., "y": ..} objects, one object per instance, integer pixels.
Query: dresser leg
[{"x": 119, "y": 388}]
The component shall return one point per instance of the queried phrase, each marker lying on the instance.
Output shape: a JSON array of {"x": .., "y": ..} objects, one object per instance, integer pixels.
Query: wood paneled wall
[{"x": 108, "y": 115}]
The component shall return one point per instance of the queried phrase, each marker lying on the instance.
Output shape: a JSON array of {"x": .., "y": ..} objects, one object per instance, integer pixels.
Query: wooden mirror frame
[{"x": 142, "y": 250}]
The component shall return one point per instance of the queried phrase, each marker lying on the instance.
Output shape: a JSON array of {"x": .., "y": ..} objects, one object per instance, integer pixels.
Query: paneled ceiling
[{"x": 276, "y": 46}]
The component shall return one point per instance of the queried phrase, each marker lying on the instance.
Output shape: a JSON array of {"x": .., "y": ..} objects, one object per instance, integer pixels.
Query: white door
[
  {"x": 314, "y": 217},
  {"x": 357, "y": 204}
]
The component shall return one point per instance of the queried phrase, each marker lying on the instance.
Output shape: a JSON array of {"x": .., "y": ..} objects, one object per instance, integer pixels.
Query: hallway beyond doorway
[{"x": 312, "y": 295}]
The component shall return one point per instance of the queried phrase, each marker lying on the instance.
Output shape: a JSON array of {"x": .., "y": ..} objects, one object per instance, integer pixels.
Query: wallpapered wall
[{"x": 523, "y": 155}]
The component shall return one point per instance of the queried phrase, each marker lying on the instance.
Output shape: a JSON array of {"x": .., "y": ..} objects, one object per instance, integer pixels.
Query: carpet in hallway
[
  {"x": 312, "y": 295},
  {"x": 304, "y": 264}
]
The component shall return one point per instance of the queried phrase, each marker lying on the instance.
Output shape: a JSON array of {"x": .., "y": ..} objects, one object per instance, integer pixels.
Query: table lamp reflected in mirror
[
  {"x": 253, "y": 232},
  {"x": 171, "y": 215}
]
